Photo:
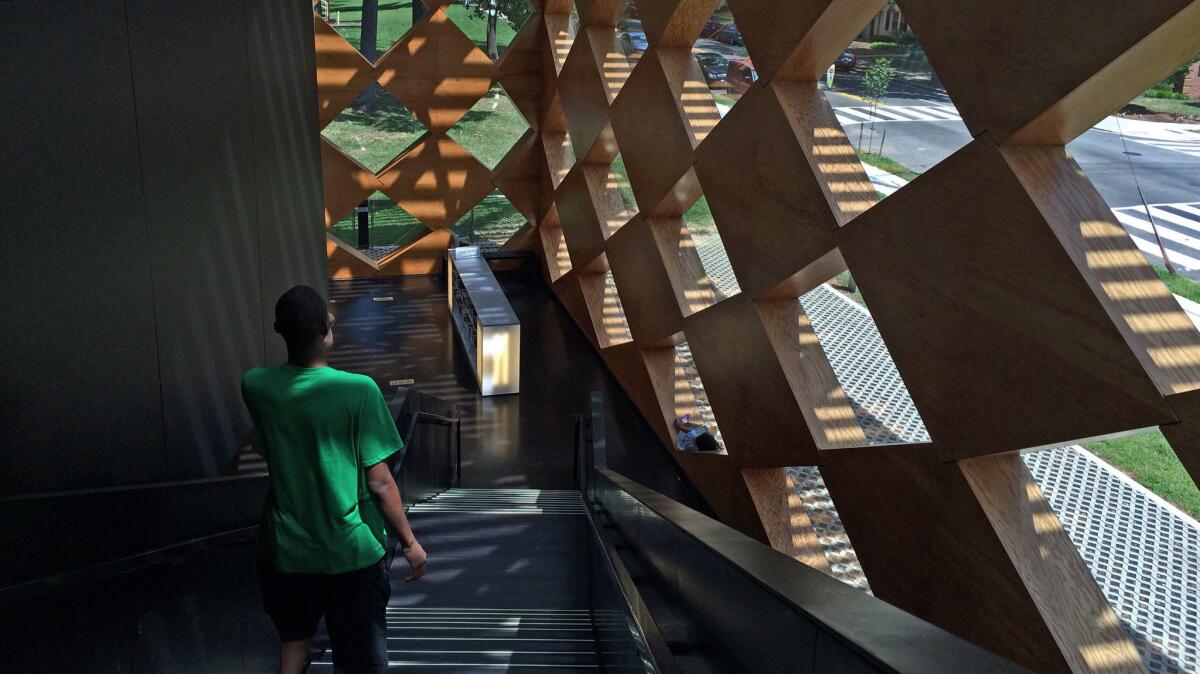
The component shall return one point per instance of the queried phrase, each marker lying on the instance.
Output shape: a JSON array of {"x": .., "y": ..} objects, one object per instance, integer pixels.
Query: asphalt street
[{"x": 922, "y": 128}]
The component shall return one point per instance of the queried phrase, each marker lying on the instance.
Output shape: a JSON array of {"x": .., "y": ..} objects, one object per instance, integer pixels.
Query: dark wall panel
[
  {"x": 287, "y": 161},
  {"x": 79, "y": 389},
  {"x": 191, "y": 77},
  {"x": 160, "y": 179}
]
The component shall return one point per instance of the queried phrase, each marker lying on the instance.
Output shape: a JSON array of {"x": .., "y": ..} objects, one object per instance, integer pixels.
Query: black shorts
[{"x": 354, "y": 605}]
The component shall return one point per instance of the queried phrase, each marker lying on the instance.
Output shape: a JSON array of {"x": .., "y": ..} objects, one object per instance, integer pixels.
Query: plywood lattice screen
[{"x": 1017, "y": 310}]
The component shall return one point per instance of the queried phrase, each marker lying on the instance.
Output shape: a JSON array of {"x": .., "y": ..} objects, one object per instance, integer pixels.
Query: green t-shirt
[{"x": 320, "y": 429}]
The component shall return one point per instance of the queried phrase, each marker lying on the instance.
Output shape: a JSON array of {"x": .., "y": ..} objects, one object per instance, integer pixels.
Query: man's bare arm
[{"x": 383, "y": 486}]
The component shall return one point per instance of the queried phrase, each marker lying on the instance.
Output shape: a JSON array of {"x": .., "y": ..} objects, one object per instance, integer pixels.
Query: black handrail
[
  {"x": 641, "y": 629},
  {"x": 758, "y": 609}
]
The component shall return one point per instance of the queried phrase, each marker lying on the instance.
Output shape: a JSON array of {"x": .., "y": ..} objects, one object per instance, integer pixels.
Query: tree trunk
[
  {"x": 493, "y": 14},
  {"x": 368, "y": 38}
]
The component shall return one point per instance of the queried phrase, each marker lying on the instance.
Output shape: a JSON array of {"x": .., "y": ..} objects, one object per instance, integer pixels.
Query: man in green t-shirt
[{"x": 325, "y": 434}]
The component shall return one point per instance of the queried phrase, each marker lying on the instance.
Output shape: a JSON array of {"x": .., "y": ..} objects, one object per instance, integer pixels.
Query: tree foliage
[{"x": 878, "y": 79}]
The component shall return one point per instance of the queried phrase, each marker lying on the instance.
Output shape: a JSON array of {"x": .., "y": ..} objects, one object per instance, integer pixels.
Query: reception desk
[{"x": 485, "y": 322}]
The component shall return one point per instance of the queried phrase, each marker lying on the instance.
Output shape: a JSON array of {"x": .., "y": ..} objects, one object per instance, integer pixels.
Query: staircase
[{"x": 508, "y": 586}]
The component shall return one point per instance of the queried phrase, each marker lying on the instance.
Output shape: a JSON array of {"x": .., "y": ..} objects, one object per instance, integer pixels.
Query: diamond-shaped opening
[
  {"x": 631, "y": 34},
  {"x": 375, "y": 129},
  {"x": 490, "y": 128},
  {"x": 686, "y": 410},
  {"x": 392, "y": 19},
  {"x": 711, "y": 251},
  {"x": 721, "y": 53},
  {"x": 613, "y": 198},
  {"x": 814, "y": 498},
  {"x": 1138, "y": 157},
  {"x": 389, "y": 228},
  {"x": 697, "y": 265},
  {"x": 491, "y": 24},
  {"x": 891, "y": 104},
  {"x": 604, "y": 306},
  {"x": 491, "y": 222},
  {"x": 840, "y": 322}
]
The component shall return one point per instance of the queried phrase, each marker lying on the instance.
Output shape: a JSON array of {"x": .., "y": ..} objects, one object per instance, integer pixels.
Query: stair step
[{"x": 503, "y": 502}]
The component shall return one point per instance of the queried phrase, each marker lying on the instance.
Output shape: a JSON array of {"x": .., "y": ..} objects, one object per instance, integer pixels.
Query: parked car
[
  {"x": 846, "y": 61},
  {"x": 729, "y": 34},
  {"x": 714, "y": 66},
  {"x": 740, "y": 75},
  {"x": 710, "y": 27},
  {"x": 634, "y": 41}
]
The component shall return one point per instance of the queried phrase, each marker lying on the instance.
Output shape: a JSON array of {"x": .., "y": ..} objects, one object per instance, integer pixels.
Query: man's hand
[{"x": 417, "y": 559}]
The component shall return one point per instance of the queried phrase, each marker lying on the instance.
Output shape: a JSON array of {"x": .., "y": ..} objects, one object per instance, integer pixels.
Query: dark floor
[{"x": 399, "y": 328}]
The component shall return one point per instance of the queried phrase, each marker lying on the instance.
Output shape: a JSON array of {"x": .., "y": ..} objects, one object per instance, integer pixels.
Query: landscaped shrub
[
  {"x": 1163, "y": 93},
  {"x": 883, "y": 46}
]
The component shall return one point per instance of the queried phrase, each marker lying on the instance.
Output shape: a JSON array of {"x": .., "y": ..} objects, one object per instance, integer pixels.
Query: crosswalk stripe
[
  {"x": 1188, "y": 147},
  {"x": 1134, "y": 218},
  {"x": 902, "y": 113},
  {"x": 937, "y": 111},
  {"x": 866, "y": 116}
]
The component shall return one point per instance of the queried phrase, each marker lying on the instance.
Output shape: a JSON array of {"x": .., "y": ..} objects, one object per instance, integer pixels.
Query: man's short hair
[
  {"x": 301, "y": 316},
  {"x": 705, "y": 442}
]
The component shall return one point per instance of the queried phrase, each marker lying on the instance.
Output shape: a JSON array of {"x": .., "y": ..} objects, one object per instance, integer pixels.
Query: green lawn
[
  {"x": 494, "y": 219},
  {"x": 1148, "y": 459},
  {"x": 699, "y": 218},
  {"x": 1180, "y": 285},
  {"x": 395, "y": 18},
  {"x": 887, "y": 164},
  {"x": 374, "y": 139},
  {"x": 841, "y": 282},
  {"x": 1168, "y": 105},
  {"x": 490, "y": 128},
  {"x": 390, "y": 225}
]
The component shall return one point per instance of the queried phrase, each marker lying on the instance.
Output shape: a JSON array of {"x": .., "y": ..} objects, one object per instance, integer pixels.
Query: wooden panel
[
  {"x": 1076, "y": 613},
  {"x": 927, "y": 547},
  {"x": 610, "y": 57},
  {"x": 1139, "y": 305},
  {"x": 1152, "y": 58},
  {"x": 604, "y": 306},
  {"x": 436, "y": 72},
  {"x": 691, "y": 286},
  {"x": 784, "y": 519},
  {"x": 436, "y": 181},
  {"x": 642, "y": 281},
  {"x": 603, "y": 13},
  {"x": 1056, "y": 368},
  {"x": 347, "y": 262},
  {"x": 426, "y": 255},
  {"x": 521, "y": 70},
  {"x": 342, "y": 72},
  {"x": 992, "y": 58},
  {"x": 823, "y": 403},
  {"x": 770, "y": 209},
  {"x": 585, "y": 103},
  {"x": 585, "y": 239},
  {"x": 748, "y": 389},
  {"x": 798, "y": 40},
  {"x": 658, "y": 156},
  {"x": 675, "y": 23},
  {"x": 560, "y": 29},
  {"x": 517, "y": 176},
  {"x": 347, "y": 183}
]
